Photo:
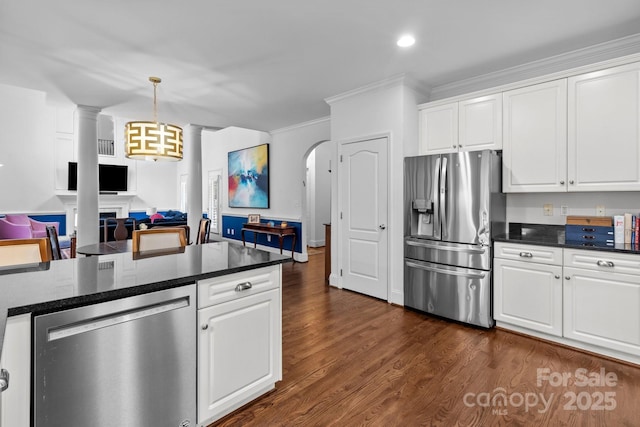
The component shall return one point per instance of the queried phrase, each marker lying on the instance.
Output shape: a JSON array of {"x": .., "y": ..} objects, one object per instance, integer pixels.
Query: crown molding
[
  {"x": 300, "y": 125},
  {"x": 393, "y": 81},
  {"x": 625, "y": 46}
]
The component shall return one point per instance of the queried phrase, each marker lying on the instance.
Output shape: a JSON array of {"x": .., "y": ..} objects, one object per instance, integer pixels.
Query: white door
[{"x": 362, "y": 183}]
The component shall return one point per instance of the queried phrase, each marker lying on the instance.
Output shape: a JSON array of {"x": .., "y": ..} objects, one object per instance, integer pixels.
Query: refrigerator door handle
[
  {"x": 436, "y": 200},
  {"x": 479, "y": 275},
  {"x": 443, "y": 189},
  {"x": 474, "y": 250}
]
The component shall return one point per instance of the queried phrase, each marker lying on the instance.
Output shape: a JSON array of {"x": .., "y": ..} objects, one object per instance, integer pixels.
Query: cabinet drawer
[
  {"x": 602, "y": 261},
  {"x": 528, "y": 253},
  {"x": 229, "y": 287}
]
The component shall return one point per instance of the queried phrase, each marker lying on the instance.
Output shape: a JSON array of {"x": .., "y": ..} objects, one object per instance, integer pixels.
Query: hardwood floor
[{"x": 352, "y": 360}]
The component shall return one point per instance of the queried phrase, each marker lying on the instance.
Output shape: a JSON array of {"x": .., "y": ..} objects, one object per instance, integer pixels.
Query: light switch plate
[
  {"x": 600, "y": 210},
  {"x": 564, "y": 210},
  {"x": 547, "y": 209}
]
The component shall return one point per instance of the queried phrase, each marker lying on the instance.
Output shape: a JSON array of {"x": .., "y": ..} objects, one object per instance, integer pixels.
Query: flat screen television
[{"x": 110, "y": 177}]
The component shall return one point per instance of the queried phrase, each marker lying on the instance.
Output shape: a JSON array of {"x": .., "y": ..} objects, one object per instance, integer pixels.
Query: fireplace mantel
[{"x": 120, "y": 203}]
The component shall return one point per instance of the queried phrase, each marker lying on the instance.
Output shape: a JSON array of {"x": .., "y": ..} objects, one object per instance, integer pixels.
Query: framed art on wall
[{"x": 248, "y": 171}]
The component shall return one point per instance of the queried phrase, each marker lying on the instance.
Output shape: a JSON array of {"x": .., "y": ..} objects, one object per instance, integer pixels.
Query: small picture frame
[{"x": 254, "y": 219}]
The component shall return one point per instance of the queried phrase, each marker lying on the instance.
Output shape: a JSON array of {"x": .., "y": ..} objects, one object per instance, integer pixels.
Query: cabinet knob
[
  {"x": 561, "y": 182},
  {"x": 571, "y": 182},
  {"x": 454, "y": 146},
  {"x": 557, "y": 276},
  {"x": 204, "y": 327},
  {"x": 567, "y": 277}
]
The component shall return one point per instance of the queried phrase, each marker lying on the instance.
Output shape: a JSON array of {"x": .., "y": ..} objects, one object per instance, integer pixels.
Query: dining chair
[
  {"x": 24, "y": 251},
  {"x": 203, "y": 231},
  {"x": 120, "y": 232},
  {"x": 54, "y": 244},
  {"x": 158, "y": 238}
]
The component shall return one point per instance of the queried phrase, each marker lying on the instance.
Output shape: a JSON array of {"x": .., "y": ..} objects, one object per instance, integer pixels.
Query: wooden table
[
  {"x": 279, "y": 231},
  {"x": 106, "y": 248}
]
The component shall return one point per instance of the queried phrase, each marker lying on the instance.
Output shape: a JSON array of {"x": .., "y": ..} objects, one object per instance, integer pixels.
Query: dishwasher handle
[{"x": 4, "y": 380}]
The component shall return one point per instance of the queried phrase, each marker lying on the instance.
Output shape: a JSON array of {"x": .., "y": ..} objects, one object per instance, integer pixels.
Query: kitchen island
[{"x": 225, "y": 274}]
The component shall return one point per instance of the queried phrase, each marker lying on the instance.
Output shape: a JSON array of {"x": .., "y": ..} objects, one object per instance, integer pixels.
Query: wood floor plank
[{"x": 352, "y": 360}]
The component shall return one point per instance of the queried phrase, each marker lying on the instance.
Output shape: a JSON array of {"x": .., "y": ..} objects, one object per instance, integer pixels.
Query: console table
[{"x": 260, "y": 228}]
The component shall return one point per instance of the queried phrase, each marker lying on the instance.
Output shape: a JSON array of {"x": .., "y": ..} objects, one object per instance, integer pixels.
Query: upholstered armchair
[
  {"x": 38, "y": 228},
  {"x": 9, "y": 230}
]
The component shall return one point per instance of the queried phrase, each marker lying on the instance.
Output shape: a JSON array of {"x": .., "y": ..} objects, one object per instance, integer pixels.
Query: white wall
[
  {"x": 26, "y": 151},
  {"x": 388, "y": 108},
  {"x": 528, "y": 208}
]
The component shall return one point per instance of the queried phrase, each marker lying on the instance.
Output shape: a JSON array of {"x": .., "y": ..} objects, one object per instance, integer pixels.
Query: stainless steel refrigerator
[{"x": 453, "y": 208}]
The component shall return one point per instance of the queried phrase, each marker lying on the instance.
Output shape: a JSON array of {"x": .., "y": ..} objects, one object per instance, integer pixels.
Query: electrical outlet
[
  {"x": 564, "y": 210},
  {"x": 547, "y": 209},
  {"x": 600, "y": 210}
]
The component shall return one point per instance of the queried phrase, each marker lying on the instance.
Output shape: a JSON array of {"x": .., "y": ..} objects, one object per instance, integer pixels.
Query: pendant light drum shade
[{"x": 153, "y": 140}]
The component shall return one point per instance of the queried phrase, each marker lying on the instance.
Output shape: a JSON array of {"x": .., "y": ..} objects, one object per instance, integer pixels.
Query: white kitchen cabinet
[
  {"x": 602, "y": 299},
  {"x": 604, "y": 130},
  {"x": 535, "y": 138},
  {"x": 480, "y": 123},
  {"x": 438, "y": 131},
  {"x": 527, "y": 287},
  {"x": 15, "y": 402},
  {"x": 240, "y": 340},
  {"x": 469, "y": 125}
]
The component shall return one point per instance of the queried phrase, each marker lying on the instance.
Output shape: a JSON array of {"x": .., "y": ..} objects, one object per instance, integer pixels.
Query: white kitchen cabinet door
[
  {"x": 535, "y": 138},
  {"x": 604, "y": 130},
  {"x": 439, "y": 129},
  {"x": 239, "y": 352},
  {"x": 528, "y": 295},
  {"x": 480, "y": 123},
  {"x": 602, "y": 308},
  {"x": 15, "y": 401}
]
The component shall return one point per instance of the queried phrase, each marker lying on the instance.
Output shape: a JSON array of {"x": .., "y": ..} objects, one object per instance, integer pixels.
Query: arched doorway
[{"x": 316, "y": 197}]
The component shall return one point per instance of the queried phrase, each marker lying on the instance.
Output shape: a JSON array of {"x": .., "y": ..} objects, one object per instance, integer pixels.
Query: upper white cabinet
[
  {"x": 535, "y": 138},
  {"x": 604, "y": 130},
  {"x": 480, "y": 123},
  {"x": 439, "y": 129},
  {"x": 469, "y": 125}
]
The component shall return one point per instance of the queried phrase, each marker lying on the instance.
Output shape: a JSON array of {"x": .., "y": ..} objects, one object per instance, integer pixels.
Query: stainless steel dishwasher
[{"x": 126, "y": 362}]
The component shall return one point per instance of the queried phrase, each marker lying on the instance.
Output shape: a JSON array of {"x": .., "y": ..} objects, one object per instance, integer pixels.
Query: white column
[
  {"x": 88, "y": 232},
  {"x": 192, "y": 135}
]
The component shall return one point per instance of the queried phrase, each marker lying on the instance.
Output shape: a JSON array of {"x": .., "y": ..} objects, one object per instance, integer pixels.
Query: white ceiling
[{"x": 269, "y": 64}]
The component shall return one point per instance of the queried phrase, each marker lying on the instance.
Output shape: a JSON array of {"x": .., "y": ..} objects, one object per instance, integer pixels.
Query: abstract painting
[{"x": 249, "y": 177}]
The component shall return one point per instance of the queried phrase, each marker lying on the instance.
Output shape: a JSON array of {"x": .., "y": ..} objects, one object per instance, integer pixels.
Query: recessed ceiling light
[{"x": 406, "y": 41}]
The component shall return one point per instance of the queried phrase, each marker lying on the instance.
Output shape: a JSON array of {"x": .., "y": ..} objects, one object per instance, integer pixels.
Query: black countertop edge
[
  {"x": 554, "y": 235},
  {"x": 98, "y": 297}
]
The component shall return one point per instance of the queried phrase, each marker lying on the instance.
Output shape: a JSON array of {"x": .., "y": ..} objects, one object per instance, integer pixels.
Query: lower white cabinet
[
  {"x": 602, "y": 306},
  {"x": 528, "y": 295},
  {"x": 15, "y": 401},
  {"x": 240, "y": 340},
  {"x": 527, "y": 287},
  {"x": 588, "y": 299}
]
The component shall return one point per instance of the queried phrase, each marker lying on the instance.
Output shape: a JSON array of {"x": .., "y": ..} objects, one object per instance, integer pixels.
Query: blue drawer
[
  {"x": 591, "y": 243},
  {"x": 588, "y": 232}
]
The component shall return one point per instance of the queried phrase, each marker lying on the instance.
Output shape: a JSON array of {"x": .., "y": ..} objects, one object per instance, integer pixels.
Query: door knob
[{"x": 382, "y": 226}]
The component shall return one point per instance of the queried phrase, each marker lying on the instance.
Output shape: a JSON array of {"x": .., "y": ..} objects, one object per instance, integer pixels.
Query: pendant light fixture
[{"x": 153, "y": 140}]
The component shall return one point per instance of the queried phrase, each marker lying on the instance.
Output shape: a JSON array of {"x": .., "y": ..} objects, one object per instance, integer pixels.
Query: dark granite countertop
[
  {"x": 553, "y": 235},
  {"x": 57, "y": 285}
]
